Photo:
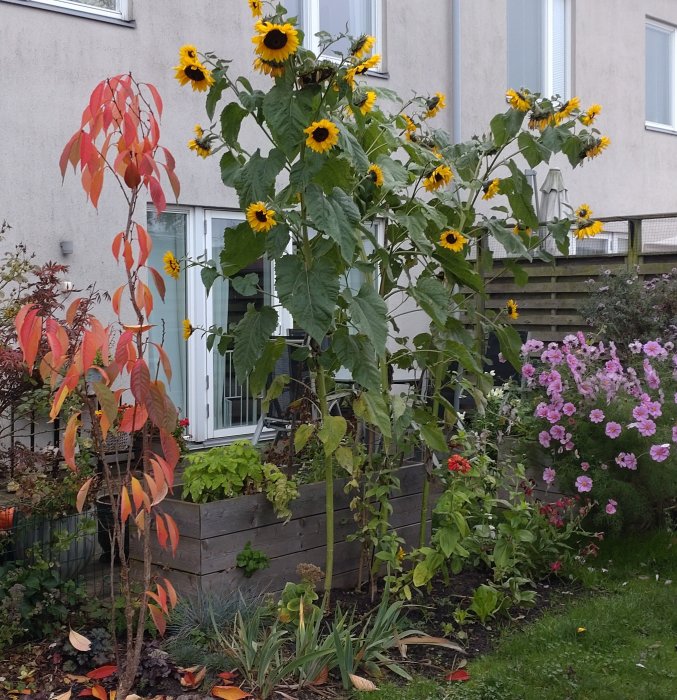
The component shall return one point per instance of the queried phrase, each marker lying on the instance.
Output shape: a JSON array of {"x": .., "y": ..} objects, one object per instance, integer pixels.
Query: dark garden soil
[{"x": 33, "y": 670}]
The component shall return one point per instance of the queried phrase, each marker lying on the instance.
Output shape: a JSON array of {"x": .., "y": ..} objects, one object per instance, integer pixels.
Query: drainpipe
[{"x": 456, "y": 70}]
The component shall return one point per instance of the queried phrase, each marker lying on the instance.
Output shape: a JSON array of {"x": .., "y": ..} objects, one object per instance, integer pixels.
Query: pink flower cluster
[{"x": 589, "y": 385}]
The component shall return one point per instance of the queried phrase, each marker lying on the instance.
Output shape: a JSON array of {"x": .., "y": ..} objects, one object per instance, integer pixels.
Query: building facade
[{"x": 618, "y": 53}]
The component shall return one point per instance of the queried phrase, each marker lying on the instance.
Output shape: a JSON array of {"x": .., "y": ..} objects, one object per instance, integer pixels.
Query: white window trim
[
  {"x": 311, "y": 26},
  {"x": 549, "y": 31},
  {"x": 672, "y": 31},
  {"x": 122, "y": 13}
]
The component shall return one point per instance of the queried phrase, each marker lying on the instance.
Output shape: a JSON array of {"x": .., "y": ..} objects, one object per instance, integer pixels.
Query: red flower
[
  {"x": 184, "y": 423},
  {"x": 556, "y": 566},
  {"x": 459, "y": 464}
]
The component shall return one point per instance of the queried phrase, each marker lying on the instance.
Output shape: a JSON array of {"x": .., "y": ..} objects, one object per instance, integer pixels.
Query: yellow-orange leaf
[
  {"x": 137, "y": 328},
  {"x": 99, "y": 692},
  {"x": 60, "y": 397},
  {"x": 158, "y": 618},
  {"x": 171, "y": 592},
  {"x": 125, "y": 504},
  {"x": 82, "y": 494},
  {"x": 162, "y": 534},
  {"x": 64, "y": 696},
  {"x": 173, "y": 533},
  {"x": 137, "y": 493},
  {"x": 229, "y": 692},
  {"x": 78, "y": 641},
  {"x": 69, "y": 438}
]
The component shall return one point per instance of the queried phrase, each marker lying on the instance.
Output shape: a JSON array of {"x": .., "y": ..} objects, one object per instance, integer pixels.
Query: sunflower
[
  {"x": 583, "y": 212},
  {"x": 196, "y": 74},
  {"x": 322, "y": 135},
  {"x": 439, "y": 177},
  {"x": 521, "y": 229},
  {"x": 511, "y": 307},
  {"x": 376, "y": 175},
  {"x": 271, "y": 68},
  {"x": 541, "y": 118},
  {"x": 172, "y": 265},
  {"x": 435, "y": 104},
  {"x": 365, "y": 102},
  {"x": 201, "y": 144},
  {"x": 518, "y": 100},
  {"x": 188, "y": 53},
  {"x": 188, "y": 329},
  {"x": 491, "y": 189},
  {"x": 275, "y": 42},
  {"x": 260, "y": 218},
  {"x": 591, "y": 113},
  {"x": 567, "y": 109},
  {"x": 589, "y": 229},
  {"x": 410, "y": 127},
  {"x": 453, "y": 240},
  {"x": 255, "y": 7},
  {"x": 361, "y": 69},
  {"x": 596, "y": 146},
  {"x": 363, "y": 46}
]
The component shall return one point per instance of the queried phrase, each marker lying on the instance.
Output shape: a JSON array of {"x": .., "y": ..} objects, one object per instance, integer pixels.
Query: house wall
[{"x": 57, "y": 60}]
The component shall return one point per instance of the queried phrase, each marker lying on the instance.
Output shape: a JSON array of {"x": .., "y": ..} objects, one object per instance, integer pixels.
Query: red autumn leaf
[
  {"x": 158, "y": 619},
  {"x": 229, "y": 692},
  {"x": 459, "y": 675},
  {"x": 132, "y": 177},
  {"x": 227, "y": 675},
  {"x": 102, "y": 672},
  {"x": 192, "y": 678},
  {"x": 69, "y": 440}
]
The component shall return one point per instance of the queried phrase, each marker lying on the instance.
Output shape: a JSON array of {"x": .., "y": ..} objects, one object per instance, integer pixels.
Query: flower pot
[{"x": 105, "y": 528}]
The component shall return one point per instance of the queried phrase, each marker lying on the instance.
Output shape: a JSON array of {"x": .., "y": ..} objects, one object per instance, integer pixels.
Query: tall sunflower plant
[{"x": 342, "y": 160}]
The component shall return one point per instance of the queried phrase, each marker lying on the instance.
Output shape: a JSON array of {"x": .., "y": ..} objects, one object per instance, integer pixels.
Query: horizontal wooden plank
[{"x": 526, "y": 302}]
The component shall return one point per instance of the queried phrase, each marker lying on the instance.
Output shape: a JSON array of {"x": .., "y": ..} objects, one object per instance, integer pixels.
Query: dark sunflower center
[
  {"x": 321, "y": 134},
  {"x": 275, "y": 40},
  {"x": 438, "y": 176},
  {"x": 452, "y": 238},
  {"x": 361, "y": 69},
  {"x": 262, "y": 216},
  {"x": 194, "y": 73}
]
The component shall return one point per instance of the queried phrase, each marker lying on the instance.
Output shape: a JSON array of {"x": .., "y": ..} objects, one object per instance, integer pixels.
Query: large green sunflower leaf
[
  {"x": 395, "y": 175},
  {"x": 288, "y": 113},
  {"x": 433, "y": 297},
  {"x": 231, "y": 120},
  {"x": 371, "y": 406},
  {"x": 230, "y": 169},
  {"x": 357, "y": 354},
  {"x": 532, "y": 149},
  {"x": 520, "y": 196},
  {"x": 256, "y": 180},
  {"x": 309, "y": 293},
  {"x": 336, "y": 215},
  {"x": 458, "y": 269},
  {"x": 241, "y": 247},
  {"x": 331, "y": 433},
  {"x": 511, "y": 343},
  {"x": 351, "y": 146},
  {"x": 504, "y": 127},
  {"x": 265, "y": 365},
  {"x": 368, "y": 312},
  {"x": 415, "y": 225},
  {"x": 251, "y": 336},
  {"x": 504, "y": 235}
]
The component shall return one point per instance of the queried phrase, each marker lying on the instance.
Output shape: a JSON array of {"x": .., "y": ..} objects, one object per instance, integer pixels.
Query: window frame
[
  {"x": 547, "y": 69},
  {"x": 671, "y": 30},
  {"x": 122, "y": 14},
  {"x": 311, "y": 26}
]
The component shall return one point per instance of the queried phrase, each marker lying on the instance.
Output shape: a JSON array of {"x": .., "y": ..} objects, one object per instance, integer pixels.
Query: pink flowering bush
[{"x": 607, "y": 418}]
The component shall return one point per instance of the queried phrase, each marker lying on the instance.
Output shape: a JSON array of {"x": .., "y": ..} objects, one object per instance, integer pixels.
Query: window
[
  {"x": 539, "y": 46},
  {"x": 113, "y": 9},
  {"x": 660, "y": 76},
  {"x": 359, "y": 16},
  {"x": 203, "y": 383}
]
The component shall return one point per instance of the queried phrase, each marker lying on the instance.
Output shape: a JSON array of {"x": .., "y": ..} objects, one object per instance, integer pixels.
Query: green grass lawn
[{"x": 628, "y": 650}]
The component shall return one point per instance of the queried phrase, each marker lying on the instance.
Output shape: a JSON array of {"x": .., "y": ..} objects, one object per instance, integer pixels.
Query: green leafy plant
[
  {"x": 251, "y": 560},
  {"x": 236, "y": 470}
]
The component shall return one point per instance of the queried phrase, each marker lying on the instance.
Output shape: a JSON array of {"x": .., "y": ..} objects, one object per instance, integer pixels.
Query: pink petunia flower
[
  {"x": 640, "y": 412},
  {"x": 652, "y": 349},
  {"x": 612, "y": 430},
  {"x": 568, "y": 409},
  {"x": 646, "y": 427},
  {"x": 596, "y": 415},
  {"x": 674, "y": 433},
  {"x": 659, "y": 453},
  {"x": 583, "y": 484},
  {"x": 544, "y": 438},
  {"x": 549, "y": 475},
  {"x": 541, "y": 410},
  {"x": 585, "y": 466},
  {"x": 553, "y": 415},
  {"x": 528, "y": 370},
  {"x": 655, "y": 409},
  {"x": 610, "y": 506},
  {"x": 558, "y": 432},
  {"x": 635, "y": 347},
  {"x": 627, "y": 460}
]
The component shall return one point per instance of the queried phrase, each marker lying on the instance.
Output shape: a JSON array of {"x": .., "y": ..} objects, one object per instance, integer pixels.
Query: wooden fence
[{"x": 549, "y": 302}]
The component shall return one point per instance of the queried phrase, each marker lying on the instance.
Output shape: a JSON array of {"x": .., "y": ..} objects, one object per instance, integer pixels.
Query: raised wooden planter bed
[{"x": 212, "y": 535}]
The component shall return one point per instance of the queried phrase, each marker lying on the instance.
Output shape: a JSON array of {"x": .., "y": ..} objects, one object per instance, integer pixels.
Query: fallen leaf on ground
[
  {"x": 102, "y": 672},
  {"x": 433, "y": 641},
  {"x": 227, "y": 676},
  {"x": 322, "y": 677},
  {"x": 229, "y": 692},
  {"x": 191, "y": 678},
  {"x": 64, "y": 696},
  {"x": 78, "y": 641},
  {"x": 363, "y": 684},
  {"x": 459, "y": 674}
]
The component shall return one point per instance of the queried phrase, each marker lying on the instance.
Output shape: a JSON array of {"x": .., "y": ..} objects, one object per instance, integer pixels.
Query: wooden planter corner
[{"x": 212, "y": 535}]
